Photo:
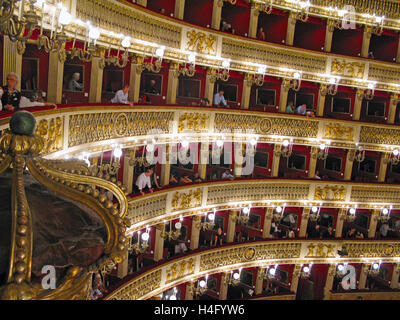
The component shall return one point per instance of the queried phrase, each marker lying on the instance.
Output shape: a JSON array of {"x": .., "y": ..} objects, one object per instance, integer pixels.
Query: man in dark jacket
[{"x": 11, "y": 96}]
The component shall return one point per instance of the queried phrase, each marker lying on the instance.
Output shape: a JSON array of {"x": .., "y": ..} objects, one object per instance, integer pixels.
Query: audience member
[
  {"x": 219, "y": 99},
  {"x": 227, "y": 175},
  {"x": 11, "y": 96},
  {"x": 35, "y": 100},
  {"x": 290, "y": 107},
  {"x": 1, "y": 94},
  {"x": 291, "y": 234},
  {"x": 97, "y": 288},
  {"x": 316, "y": 176},
  {"x": 152, "y": 87},
  {"x": 196, "y": 177},
  {"x": 204, "y": 102},
  {"x": 121, "y": 96},
  {"x": 302, "y": 110},
  {"x": 73, "y": 84},
  {"x": 173, "y": 180},
  {"x": 384, "y": 229},
  {"x": 328, "y": 234},
  {"x": 218, "y": 237},
  {"x": 162, "y": 11},
  {"x": 185, "y": 179},
  {"x": 314, "y": 232},
  {"x": 261, "y": 34},
  {"x": 359, "y": 235},
  {"x": 144, "y": 181},
  {"x": 351, "y": 233}
]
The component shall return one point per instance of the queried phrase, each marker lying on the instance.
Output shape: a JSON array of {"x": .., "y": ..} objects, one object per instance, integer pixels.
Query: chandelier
[
  {"x": 306, "y": 271},
  {"x": 171, "y": 234},
  {"x": 140, "y": 247},
  {"x": 357, "y": 155},
  {"x": 115, "y": 60},
  {"x": 267, "y": 6},
  {"x": 278, "y": 213},
  {"x": 243, "y": 216},
  {"x": 350, "y": 215},
  {"x": 198, "y": 289},
  {"x": 232, "y": 278},
  {"x": 294, "y": 83},
  {"x": 321, "y": 153},
  {"x": 367, "y": 93},
  {"x": 257, "y": 78},
  {"x": 134, "y": 160},
  {"x": 314, "y": 213},
  {"x": 155, "y": 64},
  {"x": 374, "y": 269},
  {"x": 206, "y": 225},
  {"x": 267, "y": 273},
  {"x": 302, "y": 13},
  {"x": 384, "y": 215},
  {"x": 394, "y": 158},
  {"x": 285, "y": 150},
  {"x": 107, "y": 170},
  {"x": 330, "y": 88},
  {"x": 220, "y": 73},
  {"x": 189, "y": 69}
]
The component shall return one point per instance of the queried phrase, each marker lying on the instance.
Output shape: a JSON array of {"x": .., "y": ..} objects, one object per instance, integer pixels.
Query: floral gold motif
[
  {"x": 342, "y": 67},
  {"x": 191, "y": 199},
  {"x": 335, "y": 193},
  {"x": 338, "y": 131},
  {"x": 192, "y": 121},
  {"x": 200, "y": 42}
]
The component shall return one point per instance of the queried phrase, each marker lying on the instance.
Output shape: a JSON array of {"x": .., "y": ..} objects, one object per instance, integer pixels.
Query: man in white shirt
[
  {"x": 144, "y": 181},
  {"x": 121, "y": 96},
  {"x": 34, "y": 101},
  {"x": 219, "y": 99},
  {"x": 227, "y": 175}
]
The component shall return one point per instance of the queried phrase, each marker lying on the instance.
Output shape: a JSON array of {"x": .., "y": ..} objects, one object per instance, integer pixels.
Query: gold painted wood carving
[
  {"x": 51, "y": 131},
  {"x": 334, "y": 193},
  {"x": 180, "y": 269},
  {"x": 191, "y": 199},
  {"x": 201, "y": 43},
  {"x": 193, "y": 121},
  {"x": 342, "y": 67},
  {"x": 320, "y": 251},
  {"x": 338, "y": 131}
]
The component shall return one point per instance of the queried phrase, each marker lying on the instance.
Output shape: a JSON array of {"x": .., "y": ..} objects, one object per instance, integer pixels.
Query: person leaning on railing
[
  {"x": 35, "y": 100},
  {"x": 121, "y": 96},
  {"x": 11, "y": 97}
]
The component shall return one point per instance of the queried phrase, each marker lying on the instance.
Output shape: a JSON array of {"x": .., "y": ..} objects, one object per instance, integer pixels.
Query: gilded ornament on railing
[
  {"x": 334, "y": 193},
  {"x": 320, "y": 251},
  {"x": 265, "y": 126},
  {"x": 342, "y": 67},
  {"x": 180, "y": 269},
  {"x": 379, "y": 135},
  {"x": 52, "y": 132},
  {"x": 371, "y": 250},
  {"x": 193, "y": 121},
  {"x": 339, "y": 131},
  {"x": 249, "y": 253},
  {"x": 201, "y": 42},
  {"x": 376, "y": 195},
  {"x": 191, "y": 199}
]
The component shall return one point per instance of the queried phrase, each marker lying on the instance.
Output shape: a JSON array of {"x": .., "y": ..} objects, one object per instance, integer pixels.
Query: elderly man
[
  {"x": 121, "y": 96},
  {"x": 302, "y": 110},
  {"x": 11, "y": 96},
  {"x": 35, "y": 100},
  {"x": 219, "y": 99}
]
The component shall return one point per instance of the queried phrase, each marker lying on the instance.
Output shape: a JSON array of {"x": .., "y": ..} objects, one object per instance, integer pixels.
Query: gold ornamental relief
[
  {"x": 180, "y": 269},
  {"x": 191, "y": 199},
  {"x": 338, "y": 131},
  {"x": 333, "y": 193},
  {"x": 249, "y": 254},
  {"x": 320, "y": 251},
  {"x": 193, "y": 121},
  {"x": 51, "y": 131},
  {"x": 342, "y": 67},
  {"x": 121, "y": 124},
  {"x": 201, "y": 42},
  {"x": 265, "y": 126}
]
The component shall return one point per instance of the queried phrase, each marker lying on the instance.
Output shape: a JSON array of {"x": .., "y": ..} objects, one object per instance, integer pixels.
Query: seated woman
[{"x": 185, "y": 179}]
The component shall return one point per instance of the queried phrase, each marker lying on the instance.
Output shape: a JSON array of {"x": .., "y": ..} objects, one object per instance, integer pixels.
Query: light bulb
[
  {"x": 145, "y": 236},
  {"x": 322, "y": 146},
  {"x": 220, "y": 143},
  {"x": 396, "y": 152},
  {"x": 332, "y": 80},
  {"x": 225, "y": 64},
  {"x": 236, "y": 276},
  {"x": 178, "y": 225},
  {"x": 375, "y": 266},
  {"x": 272, "y": 271},
  {"x": 340, "y": 267},
  {"x": 378, "y": 19},
  {"x": 371, "y": 86},
  {"x": 385, "y": 211},
  {"x": 278, "y": 209},
  {"x": 150, "y": 147},
  {"x": 94, "y": 33},
  {"x": 246, "y": 210},
  {"x": 65, "y": 17},
  {"x": 117, "y": 152},
  {"x": 352, "y": 211},
  {"x": 306, "y": 269},
  {"x": 126, "y": 42},
  {"x": 296, "y": 75},
  {"x": 185, "y": 144},
  {"x": 261, "y": 70},
  {"x": 173, "y": 297},
  {"x": 314, "y": 209},
  {"x": 211, "y": 217},
  {"x": 192, "y": 58},
  {"x": 160, "y": 52},
  {"x": 253, "y": 142},
  {"x": 285, "y": 143},
  {"x": 202, "y": 284}
]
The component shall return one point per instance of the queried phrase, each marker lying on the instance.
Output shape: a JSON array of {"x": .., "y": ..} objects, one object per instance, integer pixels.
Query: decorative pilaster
[
  {"x": 321, "y": 100},
  {"x": 304, "y": 222},
  {"x": 267, "y": 223},
  {"x": 142, "y": 2},
  {"x": 284, "y": 95},
  {"x": 291, "y": 28},
  {"x": 357, "y": 104},
  {"x": 188, "y": 291},
  {"x": 12, "y": 60},
  {"x": 394, "y": 281},
  {"x": 254, "y": 14},
  {"x": 209, "y": 87},
  {"x": 330, "y": 28},
  {"x": 195, "y": 235},
  {"x": 56, "y": 73},
  {"x": 127, "y": 179},
  {"x": 204, "y": 158},
  {"x": 223, "y": 288},
  {"x": 313, "y": 162},
  {"x": 363, "y": 276},
  {"x": 230, "y": 232},
  {"x": 172, "y": 83},
  {"x": 239, "y": 158},
  {"x": 96, "y": 80},
  {"x": 179, "y": 9},
  {"x": 246, "y": 91},
  {"x": 339, "y": 223},
  {"x": 394, "y": 100},
  {"x": 383, "y": 166},
  {"x": 122, "y": 268},
  {"x": 134, "y": 79},
  {"x": 275, "y": 160},
  {"x": 216, "y": 14},
  {"x": 295, "y": 278},
  {"x": 259, "y": 280},
  {"x": 349, "y": 165},
  {"x": 373, "y": 222},
  {"x": 159, "y": 243},
  {"x": 329, "y": 281},
  {"x": 366, "y": 41}
]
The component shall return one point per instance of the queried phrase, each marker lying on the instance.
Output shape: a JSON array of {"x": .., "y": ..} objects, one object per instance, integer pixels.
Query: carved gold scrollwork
[
  {"x": 342, "y": 67},
  {"x": 201, "y": 42},
  {"x": 193, "y": 121},
  {"x": 320, "y": 251},
  {"x": 334, "y": 193},
  {"x": 191, "y": 199},
  {"x": 338, "y": 131},
  {"x": 51, "y": 131}
]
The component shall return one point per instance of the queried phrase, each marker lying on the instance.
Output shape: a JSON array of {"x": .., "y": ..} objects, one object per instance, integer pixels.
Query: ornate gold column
[
  {"x": 313, "y": 162},
  {"x": 275, "y": 160},
  {"x": 166, "y": 167},
  {"x": 254, "y": 14},
  {"x": 339, "y": 223},
  {"x": 195, "y": 235},
  {"x": 122, "y": 268},
  {"x": 321, "y": 99},
  {"x": 239, "y": 158},
  {"x": 349, "y": 165},
  {"x": 283, "y": 97},
  {"x": 366, "y": 41},
  {"x": 304, "y": 222},
  {"x": 291, "y": 28},
  {"x": 189, "y": 292},
  {"x": 56, "y": 74},
  {"x": 12, "y": 59},
  {"x": 223, "y": 288},
  {"x": 127, "y": 179},
  {"x": 216, "y": 14},
  {"x": 246, "y": 91},
  {"x": 358, "y": 103},
  {"x": 179, "y": 9},
  {"x": 159, "y": 243},
  {"x": 142, "y": 2},
  {"x": 398, "y": 53},
  {"x": 363, "y": 276},
  {"x": 203, "y": 159},
  {"x": 267, "y": 223},
  {"x": 230, "y": 232},
  {"x": 394, "y": 100},
  {"x": 373, "y": 222},
  {"x": 394, "y": 281},
  {"x": 173, "y": 77},
  {"x": 96, "y": 80},
  {"x": 209, "y": 87},
  {"x": 329, "y": 281},
  {"x": 330, "y": 28},
  {"x": 295, "y": 278},
  {"x": 134, "y": 79},
  {"x": 259, "y": 280},
  {"x": 383, "y": 166}
]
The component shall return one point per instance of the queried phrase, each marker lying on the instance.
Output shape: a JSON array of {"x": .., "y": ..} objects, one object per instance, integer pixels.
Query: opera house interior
[{"x": 200, "y": 150}]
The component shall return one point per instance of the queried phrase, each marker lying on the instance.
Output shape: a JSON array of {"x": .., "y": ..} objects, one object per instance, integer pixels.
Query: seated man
[
  {"x": 219, "y": 99},
  {"x": 302, "y": 110},
  {"x": 196, "y": 177},
  {"x": 144, "y": 181},
  {"x": 227, "y": 175},
  {"x": 121, "y": 96},
  {"x": 173, "y": 181},
  {"x": 35, "y": 100}
]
